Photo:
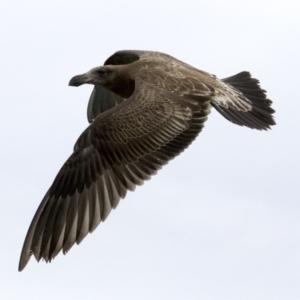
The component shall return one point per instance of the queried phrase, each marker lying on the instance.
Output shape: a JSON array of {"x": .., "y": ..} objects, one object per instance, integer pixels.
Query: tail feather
[{"x": 261, "y": 114}]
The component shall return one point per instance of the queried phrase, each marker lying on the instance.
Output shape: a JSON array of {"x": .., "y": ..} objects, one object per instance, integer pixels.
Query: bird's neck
[{"x": 122, "y": 85}]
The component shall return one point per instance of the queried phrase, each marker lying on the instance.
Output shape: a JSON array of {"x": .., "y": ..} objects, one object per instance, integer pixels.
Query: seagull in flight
[{"x": 145, "y": 109}]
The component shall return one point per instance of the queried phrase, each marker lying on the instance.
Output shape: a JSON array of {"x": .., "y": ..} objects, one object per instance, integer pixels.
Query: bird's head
[{"x": 103, "y": 76}]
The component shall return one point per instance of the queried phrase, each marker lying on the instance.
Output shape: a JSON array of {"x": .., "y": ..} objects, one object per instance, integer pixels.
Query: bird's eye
[{"x": 101, "y": 72}]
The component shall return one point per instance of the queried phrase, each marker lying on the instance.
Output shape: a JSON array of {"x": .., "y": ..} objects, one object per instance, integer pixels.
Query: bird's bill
[{"x": 80, "y": 79}]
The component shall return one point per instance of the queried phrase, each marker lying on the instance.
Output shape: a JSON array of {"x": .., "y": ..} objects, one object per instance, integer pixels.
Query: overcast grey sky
[{"x": 222, "y": 221}]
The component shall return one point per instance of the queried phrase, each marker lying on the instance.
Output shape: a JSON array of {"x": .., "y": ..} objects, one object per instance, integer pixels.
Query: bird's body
[{"x": 145, "y": 109}]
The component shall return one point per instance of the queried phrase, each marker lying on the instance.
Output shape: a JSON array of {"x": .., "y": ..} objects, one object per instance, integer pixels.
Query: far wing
[
  {"x": 125, "y": 57},
  {"x": 100, "y": 101}
]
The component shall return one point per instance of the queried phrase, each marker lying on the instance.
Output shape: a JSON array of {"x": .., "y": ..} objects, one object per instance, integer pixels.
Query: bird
[{"x": 145, "y": 109}]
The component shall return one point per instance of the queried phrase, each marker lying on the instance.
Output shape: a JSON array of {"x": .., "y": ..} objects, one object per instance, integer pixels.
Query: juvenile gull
[{"x": 145, "y": 109}]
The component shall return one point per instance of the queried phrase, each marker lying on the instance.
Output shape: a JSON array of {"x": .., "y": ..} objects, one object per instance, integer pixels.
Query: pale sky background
[{"x": 222, "y": 221}]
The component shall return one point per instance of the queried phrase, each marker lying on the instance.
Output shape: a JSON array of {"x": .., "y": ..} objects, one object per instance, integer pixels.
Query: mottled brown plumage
[{"x": 145, "y": 109}]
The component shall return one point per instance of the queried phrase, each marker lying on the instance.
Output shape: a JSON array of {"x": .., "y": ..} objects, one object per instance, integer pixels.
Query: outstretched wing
[{"x": 123, "y": 147}]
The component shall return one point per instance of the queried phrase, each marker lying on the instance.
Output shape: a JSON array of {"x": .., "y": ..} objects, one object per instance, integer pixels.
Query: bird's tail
[{"x": 257, "y": 113}]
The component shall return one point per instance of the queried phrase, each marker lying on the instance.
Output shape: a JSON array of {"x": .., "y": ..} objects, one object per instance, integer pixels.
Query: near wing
[{"x": 123, "y": 147}]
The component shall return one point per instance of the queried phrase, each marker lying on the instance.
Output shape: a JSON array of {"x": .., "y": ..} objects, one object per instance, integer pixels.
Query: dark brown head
[
  {"x": 98, "y": 76},
  {"x": 114, "y": 78}
]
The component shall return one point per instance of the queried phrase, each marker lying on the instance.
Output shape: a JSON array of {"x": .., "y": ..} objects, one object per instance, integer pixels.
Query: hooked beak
[{"x": 79, "y": 80}]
